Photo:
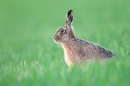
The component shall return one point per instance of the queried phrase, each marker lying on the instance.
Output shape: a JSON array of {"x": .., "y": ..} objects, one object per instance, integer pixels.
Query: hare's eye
[{"x": 62, "y": 31}]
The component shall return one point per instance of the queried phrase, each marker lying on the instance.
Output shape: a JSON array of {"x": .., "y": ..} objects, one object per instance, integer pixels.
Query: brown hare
[{"x": 77, "y": 50}]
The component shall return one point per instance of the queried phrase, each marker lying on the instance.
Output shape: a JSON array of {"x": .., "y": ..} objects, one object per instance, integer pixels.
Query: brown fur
[{"x": 77, "y": 50}]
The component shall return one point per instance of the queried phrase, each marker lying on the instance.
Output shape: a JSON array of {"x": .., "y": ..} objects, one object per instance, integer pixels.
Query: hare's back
[{"x": 94, "y": 50}]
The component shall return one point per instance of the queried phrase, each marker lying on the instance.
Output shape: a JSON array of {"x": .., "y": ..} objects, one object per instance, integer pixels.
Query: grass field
[{"x": 29, "y": 57}]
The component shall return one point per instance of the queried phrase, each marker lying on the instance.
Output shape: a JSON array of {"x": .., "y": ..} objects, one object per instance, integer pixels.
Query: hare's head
[{"x": 66, "y": 32}]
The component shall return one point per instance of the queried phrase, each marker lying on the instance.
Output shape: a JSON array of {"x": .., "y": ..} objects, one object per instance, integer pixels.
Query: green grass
[{"x": 29, "y": 57}]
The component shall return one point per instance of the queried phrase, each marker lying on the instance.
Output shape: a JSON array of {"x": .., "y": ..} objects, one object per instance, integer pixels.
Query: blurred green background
[{"x": 29, "y": 57}]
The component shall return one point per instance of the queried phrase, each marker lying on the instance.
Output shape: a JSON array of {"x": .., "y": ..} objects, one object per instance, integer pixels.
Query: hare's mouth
[
  {"x": 56, "y": 41},
  {"x": 56, "y": 38}
]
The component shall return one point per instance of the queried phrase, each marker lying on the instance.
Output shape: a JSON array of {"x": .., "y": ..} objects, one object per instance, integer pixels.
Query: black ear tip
[{"x": 70, "y": 11}]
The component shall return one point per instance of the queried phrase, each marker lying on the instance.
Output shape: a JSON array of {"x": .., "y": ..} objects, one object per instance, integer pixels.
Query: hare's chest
[
  {"x": 68, "y": 60},
  {"x": 72, "y": 57}
]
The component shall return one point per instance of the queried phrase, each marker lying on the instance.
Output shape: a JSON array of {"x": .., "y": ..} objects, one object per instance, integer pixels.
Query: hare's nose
[{"x": 53, "y": 37}]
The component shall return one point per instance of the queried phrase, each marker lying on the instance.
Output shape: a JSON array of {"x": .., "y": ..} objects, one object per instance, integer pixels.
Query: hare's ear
[{"x": 69, "y": 17}]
